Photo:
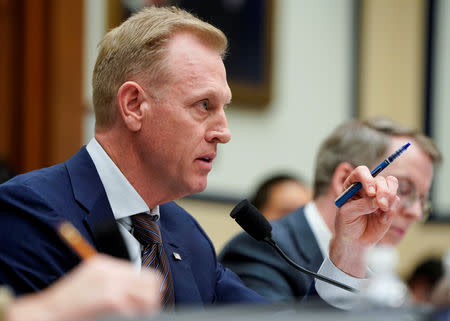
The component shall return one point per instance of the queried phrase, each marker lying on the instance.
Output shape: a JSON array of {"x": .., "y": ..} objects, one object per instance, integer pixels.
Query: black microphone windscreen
[{"x": 251, "y": 220}]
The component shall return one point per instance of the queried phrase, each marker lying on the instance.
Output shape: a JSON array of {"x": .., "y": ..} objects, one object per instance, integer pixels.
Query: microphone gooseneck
[{"x": 256, "y": 225}]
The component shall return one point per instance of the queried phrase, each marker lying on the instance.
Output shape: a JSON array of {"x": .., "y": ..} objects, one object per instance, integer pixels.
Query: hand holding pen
[
  {"x": 355, "y": 187},
  {"x": 365, "y": 219}
]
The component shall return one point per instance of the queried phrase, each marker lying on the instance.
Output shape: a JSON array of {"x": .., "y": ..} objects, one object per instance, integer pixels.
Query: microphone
[{"x": 255, "y": 224}]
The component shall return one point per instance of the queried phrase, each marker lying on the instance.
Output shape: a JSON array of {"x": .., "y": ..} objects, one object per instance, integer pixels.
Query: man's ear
[
  {"x": 131, "y": 101},
  {"x": 340, "y": 174}
]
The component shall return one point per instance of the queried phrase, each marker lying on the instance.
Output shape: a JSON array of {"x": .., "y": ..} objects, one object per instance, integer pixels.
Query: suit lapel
[
  {"x": 183, "y": 278},
  {"x": 90, "y": 194},
  {"x": 104, "y": 230},
  {"x": 306, "y": 241}
]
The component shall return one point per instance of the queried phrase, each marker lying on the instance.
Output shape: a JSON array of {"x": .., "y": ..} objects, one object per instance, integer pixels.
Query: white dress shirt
[
  {"x": 122, "y": 197},
  {"x": 320, "y": 230}
]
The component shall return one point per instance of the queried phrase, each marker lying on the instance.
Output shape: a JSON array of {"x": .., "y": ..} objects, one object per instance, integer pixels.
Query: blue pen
[{"x": 355, "y": 187}]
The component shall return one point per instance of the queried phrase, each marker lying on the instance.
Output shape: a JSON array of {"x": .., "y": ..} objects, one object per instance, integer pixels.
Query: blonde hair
[
  {"x": 138, "y": 46},
  {"x": 363, "y": 143}
]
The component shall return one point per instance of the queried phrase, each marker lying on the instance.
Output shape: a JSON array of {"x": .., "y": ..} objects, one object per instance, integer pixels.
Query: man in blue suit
[
  {"x": 156, "y": 144},
  {"x": 305, "y": 234},
  {"x": 159, "y": 93}
]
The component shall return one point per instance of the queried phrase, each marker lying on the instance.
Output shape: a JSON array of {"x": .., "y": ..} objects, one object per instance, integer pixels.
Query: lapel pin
[{"x": 176, "y": 256}]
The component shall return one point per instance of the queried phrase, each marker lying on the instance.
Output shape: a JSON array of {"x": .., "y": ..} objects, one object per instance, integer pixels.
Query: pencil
[{"x": 75, "y": 240}]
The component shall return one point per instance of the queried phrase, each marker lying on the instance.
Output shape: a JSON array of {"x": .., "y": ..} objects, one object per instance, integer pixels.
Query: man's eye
[
  {"x": 204, "y": 104},
  {"x": 404, "y": 189}
]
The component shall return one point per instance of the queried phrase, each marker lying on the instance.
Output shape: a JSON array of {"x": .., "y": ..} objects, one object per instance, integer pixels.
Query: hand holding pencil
[{"x": 99, "y": 286}]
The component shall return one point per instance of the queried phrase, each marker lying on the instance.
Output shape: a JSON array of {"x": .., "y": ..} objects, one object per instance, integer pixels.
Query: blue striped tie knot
[{"x": 147, "y": 232}]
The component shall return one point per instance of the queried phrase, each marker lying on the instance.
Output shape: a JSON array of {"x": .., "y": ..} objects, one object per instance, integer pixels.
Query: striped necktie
[{"x": 147, "y": 232}]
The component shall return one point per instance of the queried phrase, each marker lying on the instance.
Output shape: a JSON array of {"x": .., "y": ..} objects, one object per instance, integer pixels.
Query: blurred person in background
[
  {"x": 423, "y": 280},
  {"x": 305, "y": 234},
  {"x": 440, "y": 295},
  {"x": 279, "y": 195}
]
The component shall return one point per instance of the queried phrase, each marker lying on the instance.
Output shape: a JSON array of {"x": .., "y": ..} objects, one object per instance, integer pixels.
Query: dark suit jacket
[
  {"x": 263, "y": 270},
  {"x": 32, "y": 256}
]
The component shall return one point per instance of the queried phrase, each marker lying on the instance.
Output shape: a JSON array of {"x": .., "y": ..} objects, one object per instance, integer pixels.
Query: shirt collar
[
  {"x": 318, "y": 227},
  {"x": 123, "y": 198}
]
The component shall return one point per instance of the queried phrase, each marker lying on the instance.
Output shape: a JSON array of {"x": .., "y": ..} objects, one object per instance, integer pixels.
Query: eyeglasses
[{"x": 408, "y": 195}]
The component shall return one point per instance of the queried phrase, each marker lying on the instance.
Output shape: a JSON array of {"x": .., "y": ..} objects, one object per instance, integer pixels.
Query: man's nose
[{"x": 219, "y": 132}]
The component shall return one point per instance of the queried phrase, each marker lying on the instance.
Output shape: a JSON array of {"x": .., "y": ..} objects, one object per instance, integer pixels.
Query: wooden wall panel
[
  {"x": 40, "y": 81},
  {"x": 10, "y": 78},
  {"x": 34, "y": 111},
  {"x": 65, "y": 79}
]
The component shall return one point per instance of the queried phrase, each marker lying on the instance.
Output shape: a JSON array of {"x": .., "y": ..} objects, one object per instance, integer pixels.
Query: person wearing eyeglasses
[{"x": 305, "y": 234}]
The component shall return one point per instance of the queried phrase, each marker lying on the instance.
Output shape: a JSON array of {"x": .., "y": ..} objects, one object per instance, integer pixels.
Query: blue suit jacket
[
  {"x": 262, "y": 269},
  {"x": 32, "y": 256}
]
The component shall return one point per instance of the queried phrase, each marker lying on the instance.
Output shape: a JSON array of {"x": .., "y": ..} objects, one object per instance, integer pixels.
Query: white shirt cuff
[{"x": 333, "y": 295}]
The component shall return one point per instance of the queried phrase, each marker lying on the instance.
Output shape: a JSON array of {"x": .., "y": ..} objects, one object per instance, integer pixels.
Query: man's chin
[{"x": 199, "y": 187}]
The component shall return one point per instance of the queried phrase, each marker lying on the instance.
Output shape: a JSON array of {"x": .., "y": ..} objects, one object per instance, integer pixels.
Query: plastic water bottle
[{"x": 383, "y": 289}]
